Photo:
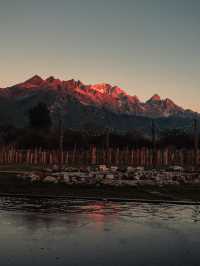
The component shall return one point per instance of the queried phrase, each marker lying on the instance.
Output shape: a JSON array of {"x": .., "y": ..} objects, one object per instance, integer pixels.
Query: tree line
[{"x": 41, "y": 132}]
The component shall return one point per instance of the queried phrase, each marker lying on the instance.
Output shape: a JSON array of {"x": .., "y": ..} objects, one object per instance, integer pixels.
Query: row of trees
[{"x": 42, "y": 133}]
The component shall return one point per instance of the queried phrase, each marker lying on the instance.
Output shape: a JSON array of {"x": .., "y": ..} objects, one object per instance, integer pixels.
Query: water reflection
[
  {"x": 35, "y": 210},
  {"x": 77, "y": 232}
]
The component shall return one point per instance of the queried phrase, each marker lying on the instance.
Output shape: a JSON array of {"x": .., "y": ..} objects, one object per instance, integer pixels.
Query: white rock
[
  {"x": 103, "y": 168},
  {"x": 34, "y": 178},
  {"x": 50, "y": 179},
  {"x": 66, "y": 178},
  {"x": 130, "y": 169},
  {"x": 92, "y": 174},
  {"x": 110, "y": 176},
  {"x": 107, "y": 182},
  {"x": 129, "y": 183},
  {"x": 139, "y": 168},
  {"x": 176, "y": 168},
  {"x": 48, "y": 170},
  {"x": 113, "y": 168}
]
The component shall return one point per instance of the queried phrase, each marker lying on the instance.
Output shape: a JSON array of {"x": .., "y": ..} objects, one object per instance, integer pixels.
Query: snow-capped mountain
[{"x": 74, "y": 98}]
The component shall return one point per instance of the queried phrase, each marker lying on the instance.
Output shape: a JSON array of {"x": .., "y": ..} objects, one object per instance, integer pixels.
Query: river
[{"x": 88, "y": 233}]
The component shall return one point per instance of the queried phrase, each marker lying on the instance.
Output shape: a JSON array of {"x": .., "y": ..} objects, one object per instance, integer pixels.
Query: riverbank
[{"x": 13, "y": 185}]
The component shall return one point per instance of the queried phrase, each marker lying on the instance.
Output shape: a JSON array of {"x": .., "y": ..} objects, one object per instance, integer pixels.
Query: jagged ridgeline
[{"x": 102, "y": 105}]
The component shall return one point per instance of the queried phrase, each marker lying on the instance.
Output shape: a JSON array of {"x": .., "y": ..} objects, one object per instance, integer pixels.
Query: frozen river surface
[{"x": 89, "y": 233}]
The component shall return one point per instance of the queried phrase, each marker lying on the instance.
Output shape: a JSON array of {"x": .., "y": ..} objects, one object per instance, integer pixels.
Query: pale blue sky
[{"x": 144, "y": 46}]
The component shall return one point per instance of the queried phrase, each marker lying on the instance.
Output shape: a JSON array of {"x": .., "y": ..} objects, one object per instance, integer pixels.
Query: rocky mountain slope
[{"x": 103, "y": 104}]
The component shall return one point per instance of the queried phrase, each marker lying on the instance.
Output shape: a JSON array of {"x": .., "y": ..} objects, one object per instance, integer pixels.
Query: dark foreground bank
[{"x": 12, "y": 185}]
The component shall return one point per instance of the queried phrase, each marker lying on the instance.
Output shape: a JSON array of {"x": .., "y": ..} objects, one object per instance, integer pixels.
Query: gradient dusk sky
[{"x": 144, "y": 46}]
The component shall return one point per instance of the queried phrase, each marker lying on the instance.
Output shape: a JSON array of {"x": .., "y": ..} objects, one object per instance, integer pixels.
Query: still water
[{"x": 72, "y": 232}]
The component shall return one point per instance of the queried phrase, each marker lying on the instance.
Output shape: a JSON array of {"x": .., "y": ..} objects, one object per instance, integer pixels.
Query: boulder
[
  {"x": 109, "y": 176},
  {"x": 103, "y": 168},
  {"x": 50, "y": 179},
  {"x": 34, "y": 178},
  {"x": 114, "y": 168},
  {"x": 66, "y": 178},
  {"x": 130, "y": 169},
  {"x": 176, "y": 168},
  {"x": 139, "y": 168}
]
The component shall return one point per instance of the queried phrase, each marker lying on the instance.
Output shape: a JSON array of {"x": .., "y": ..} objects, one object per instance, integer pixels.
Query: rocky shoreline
[{"x": 113, "y": 176}]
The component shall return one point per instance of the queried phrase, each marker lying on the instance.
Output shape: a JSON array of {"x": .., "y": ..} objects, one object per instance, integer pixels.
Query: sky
[{"x": 144, "y": 46}]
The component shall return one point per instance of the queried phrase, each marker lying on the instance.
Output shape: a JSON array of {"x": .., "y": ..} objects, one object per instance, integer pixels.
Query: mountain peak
[
  {"x": 106, "y": 88},
  {"x": 35, "y": 80},
  {"x": 155, "y": 98},
  {"x": 50, "y": 79},
  {"x": 103, "y": 88},
  {"x": 167, "y": 100}
]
